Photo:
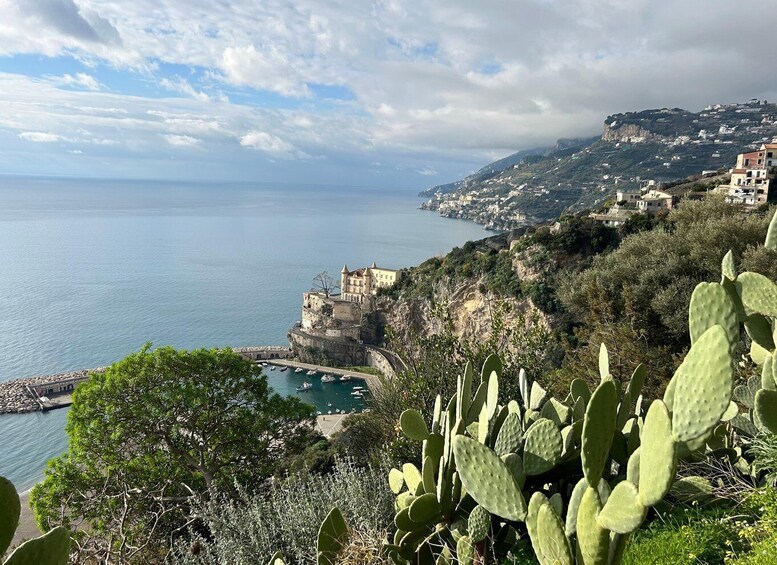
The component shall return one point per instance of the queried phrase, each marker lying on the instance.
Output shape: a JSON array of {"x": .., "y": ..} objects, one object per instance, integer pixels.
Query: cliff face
[
  {"x": 471, "y": 311},
  {"x": 616, "y": 132}
]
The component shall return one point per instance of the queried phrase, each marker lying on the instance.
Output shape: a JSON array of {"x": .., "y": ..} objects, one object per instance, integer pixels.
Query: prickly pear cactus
[
  {"x": 51, "y": 548},
  {"x": 575, "y": 476}
]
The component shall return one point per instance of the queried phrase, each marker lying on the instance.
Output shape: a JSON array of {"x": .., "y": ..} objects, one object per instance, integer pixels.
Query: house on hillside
[
  {"x": 752, "y": 176},
  {"x": 649, "y": 201}
]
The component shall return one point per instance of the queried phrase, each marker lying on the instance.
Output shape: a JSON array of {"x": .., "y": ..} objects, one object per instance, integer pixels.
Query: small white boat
[
  {"x": 328, "y": 379},
  {"x": 298, "y": 370},
  {"x": 357, "y": 393},
  {"x": 319, "y": 412},
  {"x": 358, "y": 388},
  {"x": 330, "y": 412},
  {"x": 345, "y": 378},
  {"x": 264, "y": 363},
  {"x": 329, "y": 404},
  {"x": 304, "y": 386},
  {"x": 273, "y": 367},
  {"x": 311, "y": 372},
  {"x": 284, "y": 369}
]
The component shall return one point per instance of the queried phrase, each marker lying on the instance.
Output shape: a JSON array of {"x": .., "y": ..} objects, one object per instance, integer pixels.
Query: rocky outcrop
[{"x": 616, "y": 132}]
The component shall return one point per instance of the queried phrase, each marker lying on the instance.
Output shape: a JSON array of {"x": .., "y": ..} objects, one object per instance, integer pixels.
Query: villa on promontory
[{"x": 344, "y": 328}]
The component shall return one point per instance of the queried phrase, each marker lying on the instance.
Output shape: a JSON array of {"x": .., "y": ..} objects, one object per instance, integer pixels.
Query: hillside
[
  {"x": 664, "y": 145},
  {"x": 492, "y": 169}
]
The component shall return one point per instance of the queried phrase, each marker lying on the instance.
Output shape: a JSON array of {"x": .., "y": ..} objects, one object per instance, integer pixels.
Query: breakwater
[{"x": 19, "y": 396}]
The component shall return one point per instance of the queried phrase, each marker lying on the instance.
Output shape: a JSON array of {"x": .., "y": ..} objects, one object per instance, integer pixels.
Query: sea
[{"x": 90, "y": 270}]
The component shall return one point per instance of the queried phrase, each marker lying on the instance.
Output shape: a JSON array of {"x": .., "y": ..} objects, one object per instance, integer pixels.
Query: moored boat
[
  {"x": 345, "y": 378},
  {"x": 328, "y": 379},
  {"x": 298, "y": 370},
  {"x": 304, "y": 387}
]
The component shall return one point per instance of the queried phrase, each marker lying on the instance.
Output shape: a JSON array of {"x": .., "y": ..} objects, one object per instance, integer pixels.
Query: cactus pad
[
  {"x": 492, "y": 364},
  {"x": 598, "y": 428},
  {"x": 551, "y": 541},
  {"x": 555, "y": 411},
  {"x": 758, "y": 293},
  {"x": 632, "y": 467},
  {"x": 510, "y": 435},
  {"x": 412, "y": 476},
  {"x": 657, "y": 455},
  {"x": 332, "y": 536},
  {"x": 424, "y": 508},
  {"x": 487, "y": 479},
  {"x": 604, "y": 363},
  {"x": 574, "y": 505},
  {"x": 760, "y": 330},
  {"x": 537, "y": 396},
  {"x": 727, "y": 267},
  {"x": 52, "y": 548},
  {"x": 396, "y": 480},
  {"x": 542, "y": 447},
  {"x": 710, "y": 305},
  {"x": 771, "y": 234},
  {"x": 578, "y": 389},
  {"x": 465, "y": 551},
  {"x": 478, "y": 524},
  {"x": 766, "y": 409},
  {"x": 593, "y": 541},
  {"x": 623, "y": 512},
  {"x": 515, "y": 464},
  {"x": 703, "y": 386},
  {"x": 9, "y": 517},
  {"x": 413, "y": 426}
]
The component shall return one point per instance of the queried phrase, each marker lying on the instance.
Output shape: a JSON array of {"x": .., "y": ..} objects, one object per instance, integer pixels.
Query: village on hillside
[{"x": 749, "y": 186}]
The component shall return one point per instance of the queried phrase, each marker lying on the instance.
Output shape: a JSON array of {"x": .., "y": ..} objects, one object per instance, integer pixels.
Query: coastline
[{"x": 27, "y": 527}]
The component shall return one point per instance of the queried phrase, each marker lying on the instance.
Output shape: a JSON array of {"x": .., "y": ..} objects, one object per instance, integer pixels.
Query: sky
[{"x": 383, "y": 93}]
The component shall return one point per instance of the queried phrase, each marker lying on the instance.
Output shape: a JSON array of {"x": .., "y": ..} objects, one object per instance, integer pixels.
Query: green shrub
[
  {"x": 686, "y": 535},
  {"x": 287, "y": 516}
]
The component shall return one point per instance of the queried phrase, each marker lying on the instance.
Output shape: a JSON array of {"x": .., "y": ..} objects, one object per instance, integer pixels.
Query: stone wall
[{"x": 315, "y": 348}]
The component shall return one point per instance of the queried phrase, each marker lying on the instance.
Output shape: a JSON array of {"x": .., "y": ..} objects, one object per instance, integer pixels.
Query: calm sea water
[{"x": 91, "y": 270}]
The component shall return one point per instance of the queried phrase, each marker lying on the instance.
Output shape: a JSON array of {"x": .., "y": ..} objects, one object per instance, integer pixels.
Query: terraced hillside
[{"x": 662, "y": 145}]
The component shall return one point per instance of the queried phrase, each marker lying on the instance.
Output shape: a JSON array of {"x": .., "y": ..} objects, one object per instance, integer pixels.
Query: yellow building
[{"x": 358, "y": 285}]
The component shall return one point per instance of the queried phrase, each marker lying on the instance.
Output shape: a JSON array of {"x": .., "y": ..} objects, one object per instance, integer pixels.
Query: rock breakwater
[{"x": 16, "y": 399}]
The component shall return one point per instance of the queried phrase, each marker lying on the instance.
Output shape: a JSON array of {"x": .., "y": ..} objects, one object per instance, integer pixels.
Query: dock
[{"x": 372, "y": 381}]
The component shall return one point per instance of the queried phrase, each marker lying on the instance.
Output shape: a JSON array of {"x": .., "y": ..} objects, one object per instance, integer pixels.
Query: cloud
[
  {"x": 441, "y": 85},
  {"x": 427, "y": 172},
  {"x": 266, "y": 142},
  {"x": 68, "y": 19},
  {"x": 40, "y": 137},
  {"x": 81, "y": 80},
  {"x": 181, "y": 140}
]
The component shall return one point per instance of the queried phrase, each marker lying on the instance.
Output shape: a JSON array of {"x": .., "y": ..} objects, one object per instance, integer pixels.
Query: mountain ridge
[{"x": 665, "y": 145}]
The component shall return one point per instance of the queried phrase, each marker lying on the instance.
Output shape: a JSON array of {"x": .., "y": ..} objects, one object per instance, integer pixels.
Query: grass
[{"x": 686, "y": 536}]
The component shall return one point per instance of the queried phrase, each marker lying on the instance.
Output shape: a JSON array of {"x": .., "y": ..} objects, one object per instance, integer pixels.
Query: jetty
[{"x": 40, "y": 393}]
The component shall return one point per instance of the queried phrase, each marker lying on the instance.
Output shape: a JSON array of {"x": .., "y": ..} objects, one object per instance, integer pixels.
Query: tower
[{"x": 344, "y": 281}]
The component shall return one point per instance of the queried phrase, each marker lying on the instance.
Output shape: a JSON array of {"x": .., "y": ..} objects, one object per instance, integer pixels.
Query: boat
[
  {"x": 273, "y": 367},
  {"x": 328, "y": 379},
  {"x": 298, "y": 370},
  {"x": 284, "y": 369},
  {"x": 264, "y": 363},
  {"x": 330, "y": 412},
  {"x": 357, "y": 393},
  {"x": 329, "y": 404},
  {"x": 358, "y": 388},
  {"x": 345, "y": 378},
  {"x": 304, "y": 387},
  {"x": 311, "y": 372}
]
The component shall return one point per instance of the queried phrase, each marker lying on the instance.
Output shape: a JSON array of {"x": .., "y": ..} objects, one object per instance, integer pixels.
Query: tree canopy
[{"x": 157, "y": 432}]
